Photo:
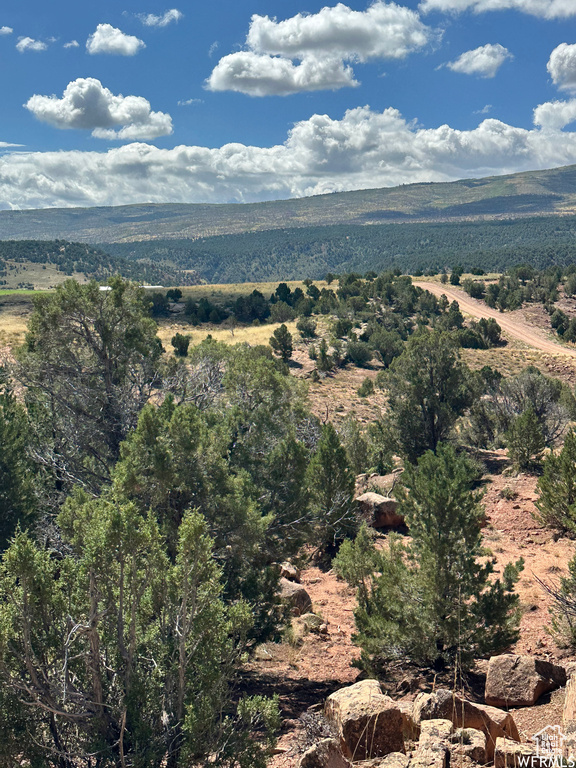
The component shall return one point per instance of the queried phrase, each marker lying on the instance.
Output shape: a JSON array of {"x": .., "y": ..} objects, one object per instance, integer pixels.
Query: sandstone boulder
[
  {"x": 325, "y": 754},
  {"x": 430, "y": 756},
  {"x": 379, "y": 511},
  {"x": 470, "y": 743},
  {"x": 290, "y": 572},
  {"x": 410, "y": 728},
  {"x": 519, "y": 681},
  {"x": 493, "y": 722},
  {"x": 435, "y": 732},
  {"x": 569, "y": 712},
  {"x": 393, "y": 760},
  {"x": 296, "y": 597},
  {"x": 369, "y": 724},
  {"x": 507, "y": 753}
]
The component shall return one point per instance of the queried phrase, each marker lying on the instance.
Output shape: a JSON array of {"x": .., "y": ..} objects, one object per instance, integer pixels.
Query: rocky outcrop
[
  {"x": 325, "y": 754},
  {"x": 492, "y": 722},
  {"x": 507, "y": 753},
  {"x": 368, "y": 723},
  {"x": 296, "y": 597},
  {"x": 519, "y": 681},
  {"x": 379, "y": 511}
]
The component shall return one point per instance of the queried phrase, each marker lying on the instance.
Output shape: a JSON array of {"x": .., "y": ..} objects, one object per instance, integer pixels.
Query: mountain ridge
[{"x": 528, "y": 193}]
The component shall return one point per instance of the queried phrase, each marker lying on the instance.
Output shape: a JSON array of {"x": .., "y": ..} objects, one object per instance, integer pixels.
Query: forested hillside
[
  {"x": 79, "y": 258},
  {"x": 287, "y": 254}
]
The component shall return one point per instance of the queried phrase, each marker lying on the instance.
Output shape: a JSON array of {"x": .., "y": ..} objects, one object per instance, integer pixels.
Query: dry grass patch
[
  {"x": 250, "y": 334},
  {"x": 226, "y": 291}
]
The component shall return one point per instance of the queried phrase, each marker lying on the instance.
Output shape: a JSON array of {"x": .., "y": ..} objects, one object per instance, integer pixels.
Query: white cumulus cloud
[
  {"x": 87, "y": 105},
  {"x": 109, "y": 39},
  {"x": 562, "y": 66},
  {"x": 364, "y": 149},
  {"x": 72, "y": 44},
  {"x": 6, "y": 30},
  {"x": 383, "y": 31},
  {"x": 29, "y": 44},
  {"x": 555, "y": 115},
  {"x": 6, "y": 144},
  {"x": 545, "y": 9},
  {"x": 151, "y": 20},
  {"x": 484, "y": 61},
  {"x": 308, "y": 52},
  {"x": 262, "y": 75}
]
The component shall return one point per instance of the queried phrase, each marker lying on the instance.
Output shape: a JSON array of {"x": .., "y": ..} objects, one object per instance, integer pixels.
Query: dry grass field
[{"x": 249, "y": 334}]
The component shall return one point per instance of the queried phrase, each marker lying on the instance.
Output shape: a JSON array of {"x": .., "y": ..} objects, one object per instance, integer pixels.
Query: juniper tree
[
  {"x": 114, "y": 653},
  {"x": 556, "y": 501},
  {"x": 17, "y": 497},
  {"x": 331, "y": 484},
  {"x": 434, "y": 600},
  {"x": 428, "y": 389},
  {"x": 525, "y": 440},
  {"x": 89, "y": 363}
]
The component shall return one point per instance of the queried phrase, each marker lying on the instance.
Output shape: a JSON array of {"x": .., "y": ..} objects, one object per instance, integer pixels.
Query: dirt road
[{"x": 511, "y": 325}]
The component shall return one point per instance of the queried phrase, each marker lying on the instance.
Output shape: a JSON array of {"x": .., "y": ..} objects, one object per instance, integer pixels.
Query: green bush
[
  {"x": 181, "y": 342},
  {"x": 366, "y": 388},
  {"x": 306, "y": 327},
  {"x": 359, "y": 353}
]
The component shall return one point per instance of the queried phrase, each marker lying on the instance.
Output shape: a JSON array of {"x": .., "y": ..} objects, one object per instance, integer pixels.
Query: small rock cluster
[{"x": 436, "y": 729}]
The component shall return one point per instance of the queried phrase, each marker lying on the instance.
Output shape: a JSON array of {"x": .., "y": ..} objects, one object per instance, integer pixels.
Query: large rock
[
  {"x": 290, "y": 572},
  {"x": 470, "y": 743},
  {"x": 410, "y": 728},
  {"x": 493, "y": 722},
  {"x": 369, "y": 724},
  {"x": 519, "y": 681},
  {"x": 507, "y": 754},
  {"x": 296, "y": 597},
  {"x": 569, "y": 717},
  {"x": 325, "y": 754},
  {"x": 393, "y": 760},
  {"x": 435, "y": 732},
  {"x": 379, "y": 511}
]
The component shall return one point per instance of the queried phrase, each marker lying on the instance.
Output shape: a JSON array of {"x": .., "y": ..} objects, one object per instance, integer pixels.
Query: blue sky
[{"x": 113, "y": 103}]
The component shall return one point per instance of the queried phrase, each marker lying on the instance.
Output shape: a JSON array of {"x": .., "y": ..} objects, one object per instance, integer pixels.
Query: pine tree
[
  {"x": 281, "y": 343},
  {"x": 435, "y": 600},
  {"x": 556, "y": 502}
]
